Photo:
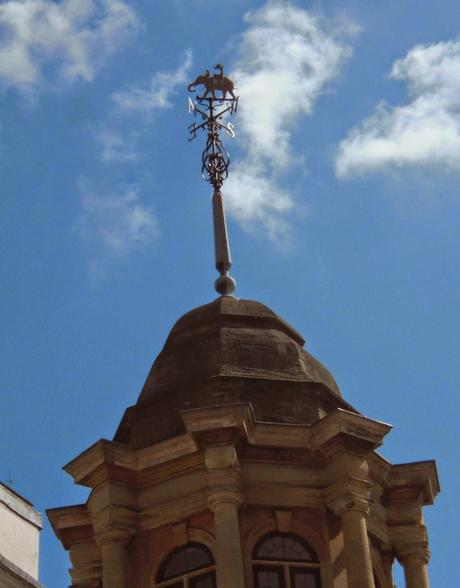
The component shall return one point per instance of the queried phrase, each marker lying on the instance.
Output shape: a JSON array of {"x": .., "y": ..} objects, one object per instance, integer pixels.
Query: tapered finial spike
[{"x": 215, "y": 160}]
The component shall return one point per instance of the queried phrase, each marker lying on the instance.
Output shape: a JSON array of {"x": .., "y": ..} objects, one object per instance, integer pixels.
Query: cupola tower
[{"x": 241, "y": 465}]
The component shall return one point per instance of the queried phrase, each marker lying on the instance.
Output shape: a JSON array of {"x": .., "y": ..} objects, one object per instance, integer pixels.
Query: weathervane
[{"x": 215, "y": 161}]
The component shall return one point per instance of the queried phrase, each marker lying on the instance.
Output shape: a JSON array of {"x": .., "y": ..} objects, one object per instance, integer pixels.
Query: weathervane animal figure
[{"x": 212, "y": 83}]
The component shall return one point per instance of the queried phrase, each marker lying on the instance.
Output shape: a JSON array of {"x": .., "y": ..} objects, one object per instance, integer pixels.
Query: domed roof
[{"x": 226, "y": 352}]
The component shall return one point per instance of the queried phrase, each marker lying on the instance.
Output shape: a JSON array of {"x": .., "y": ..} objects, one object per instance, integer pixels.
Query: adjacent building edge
[
  {"x": 231, "y": 480},
  {"x": 20, "y": 526}
]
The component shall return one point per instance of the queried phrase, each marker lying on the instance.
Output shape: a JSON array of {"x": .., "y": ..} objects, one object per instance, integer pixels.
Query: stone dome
[{"x": 227, "y": 352}]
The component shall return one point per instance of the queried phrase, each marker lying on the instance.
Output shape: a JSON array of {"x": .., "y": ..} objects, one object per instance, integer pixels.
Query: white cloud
[
  {"x": 117, "y": 147},
  {"x": 253, "y": 197},
  {"x": 157, "y": 93},
  {"x": 119, "y": 144},
  {"x": 287, "y": 56},
  {"x": 425, "y": 131},
  {"x": 76, "y": 36},
  {"x": 117, "y": 224}
]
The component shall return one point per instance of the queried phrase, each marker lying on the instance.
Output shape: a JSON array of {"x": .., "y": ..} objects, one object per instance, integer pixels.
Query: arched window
[
  {"x": 284, "y": 560},
  {"x": 190, "y": 566}
]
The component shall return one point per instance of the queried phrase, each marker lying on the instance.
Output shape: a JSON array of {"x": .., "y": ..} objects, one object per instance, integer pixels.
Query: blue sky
[{"x": 343, "y": 213}]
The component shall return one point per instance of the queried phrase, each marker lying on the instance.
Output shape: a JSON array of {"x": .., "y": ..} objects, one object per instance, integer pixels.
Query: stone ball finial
[{"x": 225, "y": 285}]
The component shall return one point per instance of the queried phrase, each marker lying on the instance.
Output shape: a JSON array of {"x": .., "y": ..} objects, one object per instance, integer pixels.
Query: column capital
[
  {"x": 350, "y": 503},
  {"x": 351, "y": 494},
  {"x": 410, "y": 543},
  {"x": 223, "y": 476},
  {"x": 224, "y": 496},
  {"x": 114, "y": 524},
  {"x": 221, "y": 457},
  {"x": 115, "y": 534},
  {"x": 417, "y": 556}
]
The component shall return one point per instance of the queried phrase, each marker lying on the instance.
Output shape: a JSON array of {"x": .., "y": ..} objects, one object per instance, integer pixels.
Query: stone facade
[
  {"x": 20, "y": 526},
  {"x": 231, "y": 461}
]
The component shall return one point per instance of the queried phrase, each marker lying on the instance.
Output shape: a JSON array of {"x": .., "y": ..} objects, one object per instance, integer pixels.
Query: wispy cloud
[
  {"x": 424, "y": 131},
  {"x": 287, "y": 56},
  {"x": 74, "y": 36},
  {"x": 255, "y": 198},
  {"x": 156, "y": 95},
  {"x": 117, "y": 146},
  {"x": 115, "y": 224},
  {"x": 138, "y": 105}
]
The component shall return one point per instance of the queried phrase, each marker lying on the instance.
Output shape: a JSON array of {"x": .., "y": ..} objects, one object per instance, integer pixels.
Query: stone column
[
  {"x": 86, "y": 561},
  {"x": 414, "y": 559},
  {"x": 114, "y": 521},
  {"x": 415, "y": 571},
  {"x": 224, "y": 500},
  {"x": 411, "y": 547},
  {"x": 229, "y": 560},
  {"x": 356, "y": 547},
  {"x": 410, "y": 487},
  {"x": 388, "y": 557},
  {"x": 350, "y": 502},
  {"x": 114, "y": 547}
]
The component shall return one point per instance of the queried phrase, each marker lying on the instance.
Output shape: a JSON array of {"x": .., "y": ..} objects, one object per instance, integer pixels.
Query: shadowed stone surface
[{"x": 226, "y": 352}]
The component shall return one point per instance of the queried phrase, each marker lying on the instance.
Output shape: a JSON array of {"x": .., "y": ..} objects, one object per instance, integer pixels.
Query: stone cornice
[
  {"x": 106, "y": 459},
  {"x": 415, "y": 483},
  {"x": 101, "y": 453},
  {"x": 379, "y": 467},
  {"x": 343, "y": 422},
  {"x": 218, "y": 417},
  {"x": 332, "y": 464},
  {"x": 72, "y": 524},
  {"x": 109, "y": 460},
  {"x": 339, "y": 423}
]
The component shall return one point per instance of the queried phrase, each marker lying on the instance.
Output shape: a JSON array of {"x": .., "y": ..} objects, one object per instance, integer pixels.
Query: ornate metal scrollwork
[
  {"x": 214, "y": 106},
  {"x": 217, "y": 102}
]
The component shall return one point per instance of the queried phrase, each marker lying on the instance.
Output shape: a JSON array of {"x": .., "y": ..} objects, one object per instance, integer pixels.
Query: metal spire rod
[{"x": 215, "y": 160}]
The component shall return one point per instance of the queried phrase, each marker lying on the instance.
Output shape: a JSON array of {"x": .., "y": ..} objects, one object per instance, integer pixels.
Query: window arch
[
  {"x": 189, "y": 566},
  {"x": 285, "y": 560}
]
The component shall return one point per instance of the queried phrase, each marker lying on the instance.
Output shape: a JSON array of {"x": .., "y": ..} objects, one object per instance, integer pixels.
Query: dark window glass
[
  {"x": 281, "y": 547},
  {"x": 185, "y": 559},
  {"x": 268, "y": 577},
  {"x": 301, "y": 578},
  {"x": 205, "y": 581}
]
